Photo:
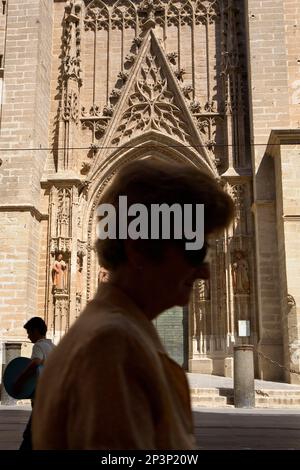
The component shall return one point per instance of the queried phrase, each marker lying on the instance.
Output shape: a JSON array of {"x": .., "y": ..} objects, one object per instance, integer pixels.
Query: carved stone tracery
[
  {"x": 207, "y": 11},
  {"x": 179, "y": 13},
  {"x": 151, "y": 105},
  {"x": 124, "y": 15},
  {"x": 96, "y": 16}
]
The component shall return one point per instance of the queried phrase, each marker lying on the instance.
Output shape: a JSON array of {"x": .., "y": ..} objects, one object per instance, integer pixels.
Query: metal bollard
[
  {"x": 12, "y": 350},
  {"x": 244, "y": 392}
]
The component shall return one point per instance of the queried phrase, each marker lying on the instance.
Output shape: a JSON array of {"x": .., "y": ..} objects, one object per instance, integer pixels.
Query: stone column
[
  {"x": 12, "y": 350},
  {"x": 244, "y": 393}
]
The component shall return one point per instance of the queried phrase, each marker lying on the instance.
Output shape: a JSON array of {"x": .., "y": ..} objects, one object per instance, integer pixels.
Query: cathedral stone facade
[{"x": 88, "y": 85}]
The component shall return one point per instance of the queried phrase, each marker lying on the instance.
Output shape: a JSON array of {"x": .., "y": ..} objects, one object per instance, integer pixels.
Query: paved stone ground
[
  {"x": 257, "y": 429},
  {"x": 212, "y": 381},
  {"x": 13, "y": 420},
  {"x": 216, "y": 429}
]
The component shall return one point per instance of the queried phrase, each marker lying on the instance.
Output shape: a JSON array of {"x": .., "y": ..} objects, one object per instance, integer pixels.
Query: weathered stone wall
[
  {"x": 24, "y": 128},
  {"x": 287, "y": 170},
  {"x": 292, "y": 40},
  {"x": 273, "y": 27}
]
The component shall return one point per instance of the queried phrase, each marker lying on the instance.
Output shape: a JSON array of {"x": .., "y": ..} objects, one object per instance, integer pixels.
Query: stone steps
[{"x": 264, "y": 398}]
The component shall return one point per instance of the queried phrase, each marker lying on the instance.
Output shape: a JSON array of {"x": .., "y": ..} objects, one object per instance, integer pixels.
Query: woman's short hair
[{"x": 155, "y": 181}]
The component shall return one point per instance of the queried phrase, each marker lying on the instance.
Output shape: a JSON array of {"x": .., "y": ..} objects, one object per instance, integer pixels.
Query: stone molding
[{"x": 24, "y": 208}]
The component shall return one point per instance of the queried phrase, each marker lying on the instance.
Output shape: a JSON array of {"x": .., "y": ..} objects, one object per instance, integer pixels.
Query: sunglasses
[{"x": 197, "y": 257}]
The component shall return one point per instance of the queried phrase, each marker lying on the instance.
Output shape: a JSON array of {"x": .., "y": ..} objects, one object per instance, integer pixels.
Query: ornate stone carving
[
  {"x": 115, "y": 94},
  {"x": 207, "y": 11},
  {"x": 96, "y": 124},
  {"x": 130, "y": 58},
  {"x": 187, "y": 90},
  {"x": 60, "y": 245},
  {"x": 195, "y": 106},
  {"x": 59, "y": 274},
  {"x": 93, "y": 150},
  {"x": 108, "y": 110},
  {"x": 97, "y": 16},
  {"x": 180, "y": 73},
  {"x": 148, "y": 5},
  {"x": 79, "y": 264},
  {"x": 72, "y": 69},
  {"x": 81, "y": 248},
  {"x": 123, "y": 15},
  {"x": 179, "y": 13},
  {"x": 172, "y": 57},
  {"x": 210, "y": 106},
  {"x": 94, "y": 111},
  {"x": 71, "y": 61},
  {"x": 233, "y": 83},
  {"x": 150, "y": 8},
  {"x": 123, "y": 76},
  {"x": 85, "y": 168},
  {"x": 291, "y": 301},
  {"x": 204, "y": 289},
  {"x": 64, "y": 197},
  {"x": 207, "y": 128},
  {"x": 70, "y": 109},
  {"x": 238, "y": 194},
  {"x": 78, "y": 305},
  {"x": 61, "y": 314},
  {"x": 151, "y": 105},
  {"x": 72, "y": 10},
  {"x": 137, "y": 41}
]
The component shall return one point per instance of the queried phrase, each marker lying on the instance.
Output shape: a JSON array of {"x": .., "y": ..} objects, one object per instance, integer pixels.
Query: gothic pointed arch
[
  {"x": 152, "y": 100},
  {"x": 144, "y": 147},
  {"x": 124, "y": 14},
  {"x": 179, "y": 13},
  {"x": 96, "y": 16}
]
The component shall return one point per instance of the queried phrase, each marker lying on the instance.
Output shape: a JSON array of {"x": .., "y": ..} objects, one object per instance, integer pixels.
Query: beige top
[{"x": 109, "y": 384}]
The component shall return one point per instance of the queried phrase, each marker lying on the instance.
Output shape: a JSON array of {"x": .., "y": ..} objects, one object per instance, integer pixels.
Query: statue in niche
[
  {"x": 59, "y": 273},
  {"x": 103, "y": 275},
  {"x": 240, "y": 273},
  {"x": 79, "y": 275}
]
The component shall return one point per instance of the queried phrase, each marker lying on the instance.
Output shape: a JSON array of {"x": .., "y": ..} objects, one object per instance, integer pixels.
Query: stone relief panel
[
  {"x": 63, "y": 222},
  {"x": 203, "y": 40},
  {"x": 151, "y": 105}
]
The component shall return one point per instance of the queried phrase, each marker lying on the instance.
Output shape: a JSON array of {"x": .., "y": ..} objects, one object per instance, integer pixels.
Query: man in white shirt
[{"x": 36, "y": 330}]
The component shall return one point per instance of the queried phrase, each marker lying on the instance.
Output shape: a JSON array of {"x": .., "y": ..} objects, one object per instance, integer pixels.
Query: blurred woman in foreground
[{"x": 110, "y": 383}]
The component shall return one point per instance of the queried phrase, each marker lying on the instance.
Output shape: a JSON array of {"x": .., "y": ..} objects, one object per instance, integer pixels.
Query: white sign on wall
[{"x": 244, "y": 327}]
